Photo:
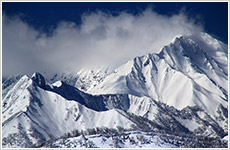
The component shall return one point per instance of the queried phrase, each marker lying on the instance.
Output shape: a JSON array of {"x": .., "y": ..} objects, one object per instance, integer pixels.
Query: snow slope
[
  {"x": 35, "y": 112},
  {"x": 135, "y": 139},
  {"x": 127, "y": 140},
  {"x": 49, "y": 115},
  {"x": 182, "y": 74},
  {"x": 89, "y": 78},
  {"x": 9, "y": 83}
]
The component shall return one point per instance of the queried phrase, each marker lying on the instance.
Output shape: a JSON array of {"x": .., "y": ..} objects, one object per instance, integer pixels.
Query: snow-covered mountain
[
  {"x": 8, "y": 84},
  {"x": 89, "y": 78},
  {"x": 182, "y": 74},
  {"x": 181, "y": 91},
  {"x": 35, "y": 115}
]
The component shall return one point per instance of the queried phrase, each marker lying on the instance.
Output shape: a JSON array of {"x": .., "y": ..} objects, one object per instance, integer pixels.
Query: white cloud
[{"x": 100, "y": 39}]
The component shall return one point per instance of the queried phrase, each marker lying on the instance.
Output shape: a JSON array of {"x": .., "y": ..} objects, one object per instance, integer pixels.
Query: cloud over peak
[{"x": 101, "y": 38}]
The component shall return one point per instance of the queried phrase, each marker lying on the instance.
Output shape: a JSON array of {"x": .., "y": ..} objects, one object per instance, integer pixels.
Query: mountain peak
[
  {"x": 39, "y": 79},
  {"x": 181, "y": 90}
]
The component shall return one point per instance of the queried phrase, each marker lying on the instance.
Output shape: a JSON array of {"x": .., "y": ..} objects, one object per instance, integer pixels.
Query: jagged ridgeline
[{"x": 176, "y": 98}]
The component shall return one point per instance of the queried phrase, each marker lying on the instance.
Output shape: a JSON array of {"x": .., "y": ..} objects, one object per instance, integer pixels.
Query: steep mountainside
[
  {"x": 173, "y": 97},
  {"x": 35, "y": 112},
  {"x": 36, "y": 115},
  {"x": 182, "y": 74}
]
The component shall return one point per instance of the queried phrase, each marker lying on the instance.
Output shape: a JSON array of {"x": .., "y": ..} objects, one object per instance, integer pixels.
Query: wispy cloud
[{"x": 101, "y": 39}]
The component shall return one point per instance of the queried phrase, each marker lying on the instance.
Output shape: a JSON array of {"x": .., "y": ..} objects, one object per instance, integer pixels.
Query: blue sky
[
  {"x": 45, "y": 16},
  {"x": 38, "y": 35}
]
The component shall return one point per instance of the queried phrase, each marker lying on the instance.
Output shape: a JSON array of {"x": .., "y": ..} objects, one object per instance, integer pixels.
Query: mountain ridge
[{"x": 181, "y": 89}]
